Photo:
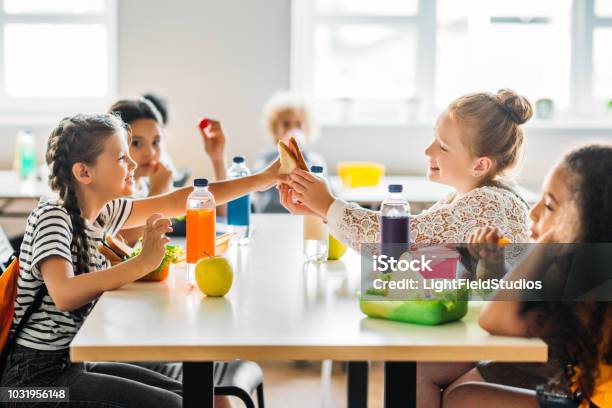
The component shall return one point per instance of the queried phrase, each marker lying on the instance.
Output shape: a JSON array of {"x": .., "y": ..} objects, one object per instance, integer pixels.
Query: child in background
[
  {"x": 477, "y": 139},
  {"x": 212, "y": 136},
  {"x": 92, "y": 172},
  {"x": 153, "y": 176},
  {"x": 574, "y": 208},
  {"x": 285, "y": 115}
]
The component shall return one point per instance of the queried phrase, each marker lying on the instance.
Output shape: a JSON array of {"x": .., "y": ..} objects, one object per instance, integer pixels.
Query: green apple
[
  {"x": 214, "y": 276},
  {"x": 336, "y": 249}
]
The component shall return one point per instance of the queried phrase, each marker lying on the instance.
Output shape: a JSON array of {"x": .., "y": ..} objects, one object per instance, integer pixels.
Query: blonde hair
[
  {"x": 284, "y": 103},
  {"x": 495, "y": 123}
]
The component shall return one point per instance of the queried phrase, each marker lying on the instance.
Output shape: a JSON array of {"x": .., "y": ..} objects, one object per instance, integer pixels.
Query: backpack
[{"x": 8, "y": 294}]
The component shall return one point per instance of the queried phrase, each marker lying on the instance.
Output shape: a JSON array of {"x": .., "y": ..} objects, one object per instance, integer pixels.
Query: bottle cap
[
  {"x": 316, "y": 169},
  {"x": 238, "y": 159},
  {"x": 396, "y": 188},
  {"x": 200, "y": 182}
]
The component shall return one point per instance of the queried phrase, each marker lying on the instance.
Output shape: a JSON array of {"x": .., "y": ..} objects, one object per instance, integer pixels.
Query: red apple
[{"x": 203, "y": 123}]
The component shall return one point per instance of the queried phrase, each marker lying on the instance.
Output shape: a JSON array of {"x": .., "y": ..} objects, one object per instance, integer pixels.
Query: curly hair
[
  {"x": 579, "y": 333},
  {"x": 77, "y": 139},
  {"x": 282, "y": 104},
  {"x": 590, "y": 182}
]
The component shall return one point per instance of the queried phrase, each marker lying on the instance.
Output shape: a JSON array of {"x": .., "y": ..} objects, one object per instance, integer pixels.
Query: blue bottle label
[{"x": 239, "y": 211}]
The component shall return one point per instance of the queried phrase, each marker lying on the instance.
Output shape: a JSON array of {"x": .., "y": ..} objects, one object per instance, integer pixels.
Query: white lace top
[{"x": 450, "y": 220}]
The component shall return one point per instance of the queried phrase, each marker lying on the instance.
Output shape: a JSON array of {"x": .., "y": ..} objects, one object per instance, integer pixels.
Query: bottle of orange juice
[{"x": 200, "y": 225}]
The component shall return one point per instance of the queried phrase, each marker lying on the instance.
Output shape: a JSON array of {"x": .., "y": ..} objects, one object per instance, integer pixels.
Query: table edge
[{"x": 537, "y": 352}]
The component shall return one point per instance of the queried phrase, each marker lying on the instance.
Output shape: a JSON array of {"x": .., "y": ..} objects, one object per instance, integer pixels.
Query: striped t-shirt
[{"x": 49, "y": 233}]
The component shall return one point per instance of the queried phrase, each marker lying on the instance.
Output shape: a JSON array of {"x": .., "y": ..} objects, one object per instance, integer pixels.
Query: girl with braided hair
[
  {"x": 92, "y": 172},
  {"x": 575, "y": 207}
]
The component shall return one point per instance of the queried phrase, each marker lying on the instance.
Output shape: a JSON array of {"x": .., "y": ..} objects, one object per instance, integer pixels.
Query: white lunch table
[
  {"x": 12, "y": 189},
  {"x": 418, "y": 190},
  {"x": 279, "y": 309}
]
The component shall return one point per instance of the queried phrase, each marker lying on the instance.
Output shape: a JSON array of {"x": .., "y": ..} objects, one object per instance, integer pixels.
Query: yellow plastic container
[{"x": 360, "y": 174}]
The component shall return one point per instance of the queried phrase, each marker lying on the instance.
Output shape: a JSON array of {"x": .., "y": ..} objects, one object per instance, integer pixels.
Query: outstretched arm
[{"x": 173, "y": 204}]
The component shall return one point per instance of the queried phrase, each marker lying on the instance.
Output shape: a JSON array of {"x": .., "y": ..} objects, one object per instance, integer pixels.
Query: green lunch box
[{"x": 426, "y": 312}]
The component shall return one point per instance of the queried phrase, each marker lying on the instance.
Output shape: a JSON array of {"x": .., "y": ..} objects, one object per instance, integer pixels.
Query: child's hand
[
  {"x": 483, "y": 244},
  {"x": 154, "y": 242},
  {"x": 286, "y": 201},
  {"x": 161, "y": 180},
  {"x": 312, "y": 191},
  {"x": 214, "y": 140},
  {"x": 270, "y": 176}
]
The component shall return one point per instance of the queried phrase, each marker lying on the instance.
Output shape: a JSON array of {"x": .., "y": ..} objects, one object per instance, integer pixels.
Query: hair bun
[{"x": 517, "y": 107}]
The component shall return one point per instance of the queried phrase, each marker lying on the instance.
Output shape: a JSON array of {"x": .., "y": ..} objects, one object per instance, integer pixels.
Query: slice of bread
[
  {"x": 290, "y": 160},
  {"x": 301, "y": 162},
  {"x": 287, "y": 159}
]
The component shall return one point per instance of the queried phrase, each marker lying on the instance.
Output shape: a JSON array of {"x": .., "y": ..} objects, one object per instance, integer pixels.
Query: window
[
  {"x": 400, "y": 61},
  {"x": 57, "y": 56},
  {"x": 602, "y": 52}
]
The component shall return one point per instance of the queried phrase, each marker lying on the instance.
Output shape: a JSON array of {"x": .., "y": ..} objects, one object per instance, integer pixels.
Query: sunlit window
[
  {"x": 364, "y": 62},
  {"x": 56, "y": 55},
  {"x": 603, "y": 8},
  {"x": 602, "y": 63},
  {"x": 39, "y": 63},
  {"x": 524, "y": 45},
  {"x": 398, "y": 61},
  {"x": 54, "y": 6}
]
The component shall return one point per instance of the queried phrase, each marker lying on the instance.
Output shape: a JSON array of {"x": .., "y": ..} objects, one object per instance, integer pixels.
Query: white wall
[
  {"x": 220, "y": 59},
  {"x": 225, "y": 58},
  {"x": 401, "y": 148}
]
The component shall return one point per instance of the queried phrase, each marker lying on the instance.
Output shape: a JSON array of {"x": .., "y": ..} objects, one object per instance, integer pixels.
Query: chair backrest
[
  {"x": 6, "y": 251},
  {"x": 8, "y": 293}
]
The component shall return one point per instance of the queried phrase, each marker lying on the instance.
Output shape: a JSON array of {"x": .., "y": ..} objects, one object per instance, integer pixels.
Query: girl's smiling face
[
  {"x": 450, "y": 160},
  {"x": 113, "y": 171},
  {"x": 145, "y": 146},
  {"x": 555, "y": 214}
]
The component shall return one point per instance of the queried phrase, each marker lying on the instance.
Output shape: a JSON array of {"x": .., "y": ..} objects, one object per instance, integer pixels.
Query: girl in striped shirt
[{"x": 90, "y": 169}]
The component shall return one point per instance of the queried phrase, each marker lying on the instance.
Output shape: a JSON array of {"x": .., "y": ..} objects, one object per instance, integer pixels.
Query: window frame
[
  {"x": 583, "y": 24},
  {"x": 12, "y": 108}
]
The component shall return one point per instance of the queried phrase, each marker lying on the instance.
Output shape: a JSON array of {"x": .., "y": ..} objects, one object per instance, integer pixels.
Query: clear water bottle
[
  {"x": 395, "y": 223},
  {"x": 25, "y": 155},
  {"x": 239, "y": 210},
  {"x": 316, "y": 234},
  {"x": 200, "y": 225}
]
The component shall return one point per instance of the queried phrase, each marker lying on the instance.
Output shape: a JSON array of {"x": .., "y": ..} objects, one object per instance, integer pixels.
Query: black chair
[
  {"x": 240, "y": 379},
  {"x": 236, "y": 378}
]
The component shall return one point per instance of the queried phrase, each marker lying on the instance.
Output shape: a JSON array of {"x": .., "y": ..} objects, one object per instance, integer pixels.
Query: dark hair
[
  {"x": 590, "y": 181},
  {"x": 77, "y": 139},
  {"x": 130, "y": 110},
  {"x": 160, "y": 103},
  {"x": 494, "y": 120},
  {"x": 579, "y": 332}
]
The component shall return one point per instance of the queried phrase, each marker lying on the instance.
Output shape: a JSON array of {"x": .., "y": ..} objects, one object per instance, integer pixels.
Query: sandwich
[
  {"x": 116, "y": 251},
  {"x": 291, "y": 158}
]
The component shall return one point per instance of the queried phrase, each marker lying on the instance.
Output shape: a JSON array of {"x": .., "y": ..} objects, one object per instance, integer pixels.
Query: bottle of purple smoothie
[{"x": 395, "y": 223}]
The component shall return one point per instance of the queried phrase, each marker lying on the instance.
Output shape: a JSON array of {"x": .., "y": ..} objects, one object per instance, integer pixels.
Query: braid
[
  {"x": 77, "y": 139},
  {"x": 79, "y": 231}
]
